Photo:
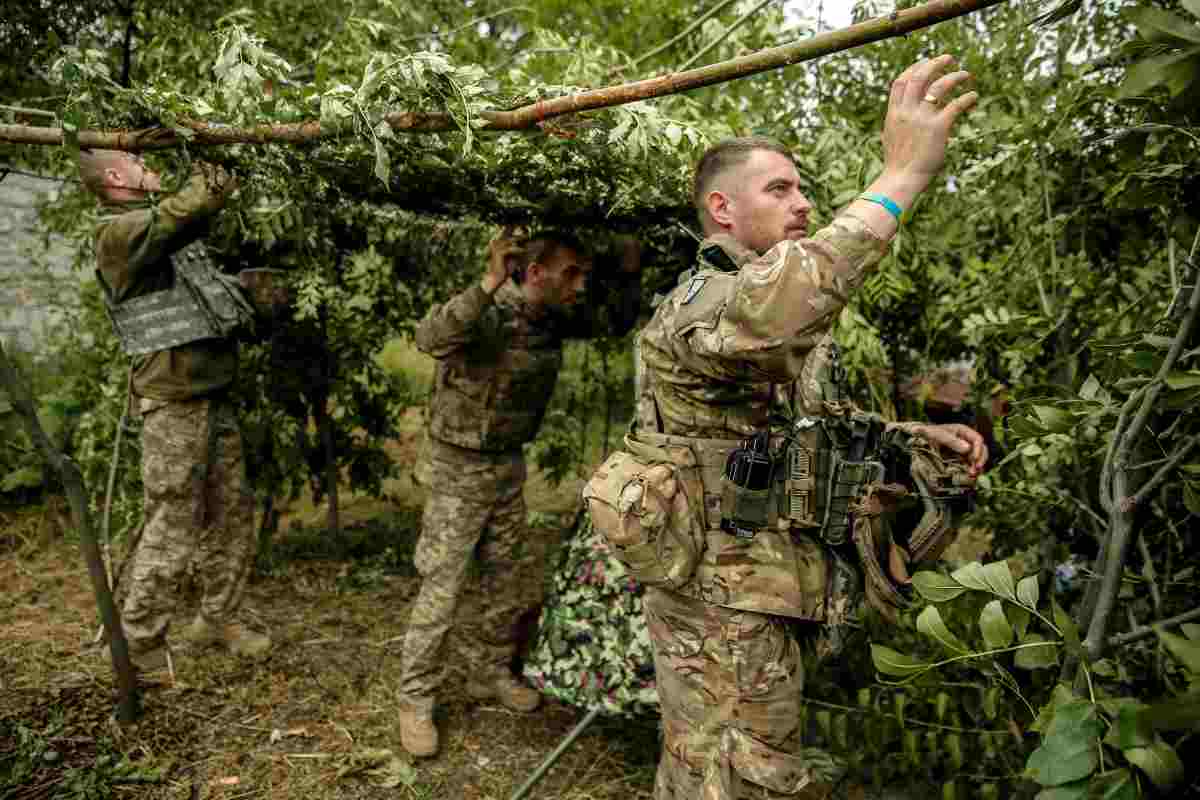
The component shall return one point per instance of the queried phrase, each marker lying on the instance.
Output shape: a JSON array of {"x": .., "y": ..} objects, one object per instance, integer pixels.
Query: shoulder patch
[{"x": 693, "y": 289}]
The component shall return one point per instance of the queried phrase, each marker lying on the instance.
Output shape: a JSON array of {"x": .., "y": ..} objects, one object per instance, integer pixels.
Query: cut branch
[
  {"x": 1128, "y": 504},
  {"x": 696, "y": 23},
  {"x": 199, "y": 132},
  {"x": 1120, "y": 509},
  {"x": 737, "y": 23},
  {"x": 1146, "y": 631}
]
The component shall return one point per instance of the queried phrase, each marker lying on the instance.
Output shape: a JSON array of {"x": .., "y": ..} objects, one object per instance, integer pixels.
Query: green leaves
[
  {"x": 1176, "y": 69},
  {"x": 1186, "y": 651},
  {"x": 1036, "y": 652},
  {"x": 936, "y": 587},
  {"x": 1027, "y": 591},
  {"x": 1183, "y": 380},
  {"x": 930, "y": 623},
  {"x": 995, "y": 577},
  {"x": 243, "y": 68},
  {"x": 999, "y": 626},
  {"x": 1156, "y": 24},
  {"x": 993, "y": 624},
  {"x": 1160, "y": 763},
  {"x": 27, "y": 477},
  {"x": 1070, "y": 747},
  {"x": 896, "y": 664}
]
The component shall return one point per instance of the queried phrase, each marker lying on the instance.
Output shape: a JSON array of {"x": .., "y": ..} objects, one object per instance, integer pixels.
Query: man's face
[
  {"x": 128, "y": 174},
  {"x": 759, "y": 202},
  {"x": 562, "y": 275}
]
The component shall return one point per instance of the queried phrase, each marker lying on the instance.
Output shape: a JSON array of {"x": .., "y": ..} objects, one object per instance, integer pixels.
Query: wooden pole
[{"x": 898, "y": 23}]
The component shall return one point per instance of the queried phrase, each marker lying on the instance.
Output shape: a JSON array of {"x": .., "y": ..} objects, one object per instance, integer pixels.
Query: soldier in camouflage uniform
[
  {"x": 499, "y": 349},
  {"x": 746, "y": 332},
  {"x": 198, "y": 508}
]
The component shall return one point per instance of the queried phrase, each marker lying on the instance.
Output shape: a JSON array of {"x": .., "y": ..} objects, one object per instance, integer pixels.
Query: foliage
[
  {"x": 36, "y": 760},
  {"x": 1099, "y": 743}
]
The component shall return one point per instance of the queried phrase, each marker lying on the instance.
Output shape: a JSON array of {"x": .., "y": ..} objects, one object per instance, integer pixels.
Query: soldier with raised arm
[
  {"x": 753, "y": 493},
  {"x": 175, "y": 315},
  {"x": 498, "y": 347}
]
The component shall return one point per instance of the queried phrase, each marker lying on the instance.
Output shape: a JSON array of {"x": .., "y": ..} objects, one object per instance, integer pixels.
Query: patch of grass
[
  {"x": 382, "y": 545},
  {"x": 55, "y": 743},
  {"x": 316, "y": 719},
  {"x": 33, "y": 525}
]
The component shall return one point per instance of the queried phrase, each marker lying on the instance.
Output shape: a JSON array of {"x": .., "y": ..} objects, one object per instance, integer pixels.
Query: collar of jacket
[
  {"x": 510, "y": 296},
  {"x": 111, "y": 211},
  {"x": 724, "y": 253}
]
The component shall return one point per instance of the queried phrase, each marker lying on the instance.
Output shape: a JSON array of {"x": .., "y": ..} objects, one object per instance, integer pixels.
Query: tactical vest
[
  {"x": 783, "y": 554},
  {"x": 492, "y": 396},
  {"x": 201, "y": 304}
]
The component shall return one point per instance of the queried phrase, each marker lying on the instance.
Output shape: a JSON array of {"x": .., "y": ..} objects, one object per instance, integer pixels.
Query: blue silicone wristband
[{"x": 883, "y": 200}]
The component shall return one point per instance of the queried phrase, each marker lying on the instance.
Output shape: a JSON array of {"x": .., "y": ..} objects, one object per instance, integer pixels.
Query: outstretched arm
[
  {"x": 139, "y": 239},
  {"x": 783, "y": 302}
]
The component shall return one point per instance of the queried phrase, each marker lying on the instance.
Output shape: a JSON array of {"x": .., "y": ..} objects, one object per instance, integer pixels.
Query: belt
[{"x": 813, "y": 484}]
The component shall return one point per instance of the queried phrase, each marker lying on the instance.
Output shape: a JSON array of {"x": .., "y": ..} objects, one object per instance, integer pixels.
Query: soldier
[
  {"x": 743, "y": 339},
  {"x": 499, "y": 349},
  {"x": 198, "y": 507}
]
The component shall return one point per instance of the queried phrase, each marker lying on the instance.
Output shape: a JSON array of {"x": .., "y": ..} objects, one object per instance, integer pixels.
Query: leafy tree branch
[{"x": 530, "y": 116}]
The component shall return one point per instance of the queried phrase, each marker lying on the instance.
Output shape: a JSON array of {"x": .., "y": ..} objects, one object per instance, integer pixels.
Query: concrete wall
[{"x": 36, "y": 280}]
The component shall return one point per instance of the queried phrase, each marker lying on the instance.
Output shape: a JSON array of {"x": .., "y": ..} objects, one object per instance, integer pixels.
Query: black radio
[{"x": 746, "y": 487}]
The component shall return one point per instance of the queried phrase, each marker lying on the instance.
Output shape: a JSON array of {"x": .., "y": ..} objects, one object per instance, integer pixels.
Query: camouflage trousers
[
  {"x": 455, "y": 529},
  {"x": 729, "y": 687},
  {"x": 198, "y": 513}
]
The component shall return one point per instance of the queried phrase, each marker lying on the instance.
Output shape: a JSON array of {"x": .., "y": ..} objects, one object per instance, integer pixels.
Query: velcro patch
[{"x": 694, "y": 288}]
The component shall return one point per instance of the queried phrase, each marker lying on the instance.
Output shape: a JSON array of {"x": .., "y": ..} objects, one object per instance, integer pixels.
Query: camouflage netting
[{"x": 593, "y": 649}]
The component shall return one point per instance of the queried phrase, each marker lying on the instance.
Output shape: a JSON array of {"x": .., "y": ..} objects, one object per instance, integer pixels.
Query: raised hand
[
  {"x": 504, "y": 256},
  {"x": 921, "y": 115}
]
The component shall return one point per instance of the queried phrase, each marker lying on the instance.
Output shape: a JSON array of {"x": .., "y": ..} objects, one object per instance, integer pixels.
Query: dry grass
[{"x": 317, "y": 719}]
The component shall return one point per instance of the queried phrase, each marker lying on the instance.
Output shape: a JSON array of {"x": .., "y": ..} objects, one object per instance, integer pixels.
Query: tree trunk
[{"x": 72, "y": 479}]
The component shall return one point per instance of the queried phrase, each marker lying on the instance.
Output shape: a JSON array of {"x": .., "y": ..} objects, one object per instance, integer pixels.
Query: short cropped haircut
[
  {"x": 92, "y": 164},
  {"x": 722, "y": 157},
  {"x": 543, "y": 244}
]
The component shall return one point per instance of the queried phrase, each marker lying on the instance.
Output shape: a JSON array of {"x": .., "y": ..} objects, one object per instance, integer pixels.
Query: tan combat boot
[
  {"x": 418, "y": 734},
  {"x": 511, "y": 693},
  {"x": 233, "y": 636},
  {"x": 152, "y": 658}
]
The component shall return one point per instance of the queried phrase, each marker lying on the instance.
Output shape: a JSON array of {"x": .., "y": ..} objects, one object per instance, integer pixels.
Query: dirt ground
[{"x": 314, "y": 720}]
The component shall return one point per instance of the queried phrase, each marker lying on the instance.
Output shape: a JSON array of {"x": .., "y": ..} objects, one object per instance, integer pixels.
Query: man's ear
[
  {"x": 720, "y": 207},
  {"x": 535, "y": 273},
  {"x": 113, "y": 177}
]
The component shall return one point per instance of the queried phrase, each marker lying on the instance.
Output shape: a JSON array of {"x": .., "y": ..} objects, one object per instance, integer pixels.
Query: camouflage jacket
[
  {"x": 133, "y": 249},
  {"x": 498, "y": 358},
  {"x": 736, "y": 326}
]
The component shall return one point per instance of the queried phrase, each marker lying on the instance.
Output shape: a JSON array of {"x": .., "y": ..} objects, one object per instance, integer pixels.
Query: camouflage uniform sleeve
[
  {"x": 140, "y": 238},
  {"x": 611, "y": 306},
  {"x": 454, "y": 324},
  {"x": 781, "y": 304}
]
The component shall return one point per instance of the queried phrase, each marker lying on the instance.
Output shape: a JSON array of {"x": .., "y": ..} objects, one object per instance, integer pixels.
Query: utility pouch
[
  {"x": 643, "y": 511},
  {"x": 746, "y": 488},
  {"x": 843, "y": 607},
  {"x": 847, "y": 482},
  {"x": 801, "y": 499}
]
